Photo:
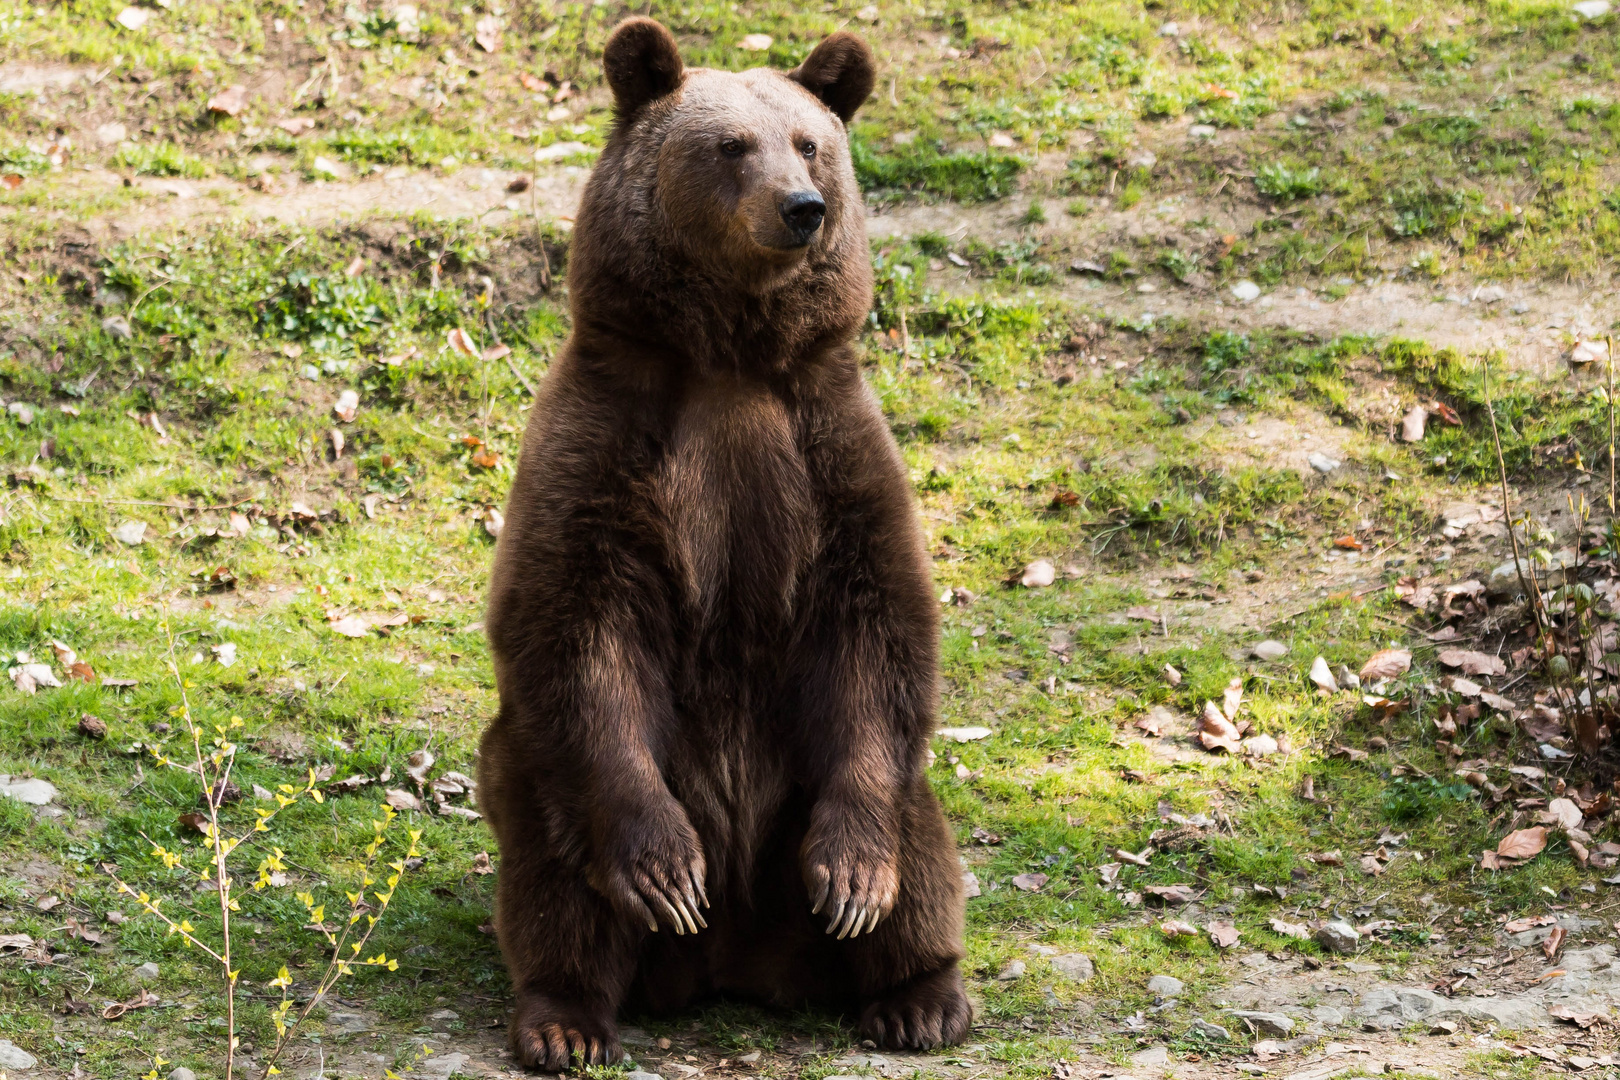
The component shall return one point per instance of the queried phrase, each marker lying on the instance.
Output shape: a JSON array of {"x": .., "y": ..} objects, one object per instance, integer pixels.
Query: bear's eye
[
  {"x": 732, "y": 148},
  {"x": 808, "y": 149}
]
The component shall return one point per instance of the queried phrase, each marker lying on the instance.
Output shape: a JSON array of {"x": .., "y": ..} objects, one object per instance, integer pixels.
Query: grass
[{"x": 1478, "y": 140}]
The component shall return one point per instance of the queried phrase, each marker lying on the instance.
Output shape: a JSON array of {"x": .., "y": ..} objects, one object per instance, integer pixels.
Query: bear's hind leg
[
  {"x": 571, "y": 957},
  {"x": 906, "y": 969}
]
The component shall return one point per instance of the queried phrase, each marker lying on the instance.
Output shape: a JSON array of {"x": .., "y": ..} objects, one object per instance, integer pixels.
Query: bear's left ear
[
  {"x": 840, "y": 72},
  {"x": 642, "y": 62}
]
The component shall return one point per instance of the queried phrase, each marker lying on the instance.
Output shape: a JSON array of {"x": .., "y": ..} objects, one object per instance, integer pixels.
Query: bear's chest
[{"x": 737, "y": 495}]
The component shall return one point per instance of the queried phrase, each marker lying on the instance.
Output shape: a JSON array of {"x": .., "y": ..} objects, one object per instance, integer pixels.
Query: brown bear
[{"x": 714, "y": 634}]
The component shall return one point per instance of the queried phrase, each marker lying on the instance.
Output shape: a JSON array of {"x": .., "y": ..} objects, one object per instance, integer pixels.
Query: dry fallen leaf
[
  {"x": 487, "y": 32},
  {"x": 1293, "y": 930},
  {"x": 351, "y": 626},
  {"x": 347, "y": 404},
  {"x": 1232, "y": 699},
  {"x": 1523, "y": 844},
  {"x": 1529, "y": 922},
  {"x": 1216, "y": 732},
  {"x": 1223, "y": 935},
  {"x": 755, "y": 42},
  {"x": 1473, "y": 663},
  {"x": 1038, "y": 575},
  {"x": 1554, "y": 942},
  {"x": 229, "y": 101},
  {"x": 1322, "y": 675},
  {"x": 1564, "y": 813},
  {"x": 401, "y": 800},
  {"x": 481, "y": 863},
  {"x": 459, "y": 340},
  {"x": 1170, "y": 894},
  {"x": 1171, "y": 928},
  {"x": 1030, "y": 882},
  {"x": 418, "y": 764},
  {"x": 1386, "y": 664}
]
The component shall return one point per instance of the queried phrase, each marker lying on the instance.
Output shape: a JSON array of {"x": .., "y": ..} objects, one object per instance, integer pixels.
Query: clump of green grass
[
  {"x": 964, "y": 176},
  {"x": 160, "y": 159},
  {"x": 1285, "y": 183}
]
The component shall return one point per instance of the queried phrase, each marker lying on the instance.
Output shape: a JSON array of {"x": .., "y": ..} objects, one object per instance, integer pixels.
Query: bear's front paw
[
  {"x": 856, "y": 886},
  {"x": 651, "y": 867},
  {"x": 550, "y": 1035}
]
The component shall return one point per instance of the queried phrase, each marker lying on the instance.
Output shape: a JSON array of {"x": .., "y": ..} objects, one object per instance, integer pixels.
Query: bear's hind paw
[
  {"x": 927, "y": 1011},
  {"x": 551, "y": 1036}
]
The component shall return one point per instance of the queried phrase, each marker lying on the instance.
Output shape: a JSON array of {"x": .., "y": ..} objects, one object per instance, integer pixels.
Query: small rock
[
  {"x": 1208, "y": 1030},
  {"x": 182, "y": 1073},
  {"x": 444, "y": 1015},
  {"x": 1170, "y": 29},
  {"x": 1270, "y": 650},
  {"x": 559, "y": 150},
  {"x": 1246, "y": 291},
  {"x": 1412, "y": 424},
  {"x": 1591, "y": 9},
  {"x": 1201, "y": 131},
  {"x": 749, "y": 1058},
  {"x": 130, "y": 533},
  {"x": 639, "y": 1075},
  {"x": 13, "y": 1056},
  {"x": 33, "y": 791},
  {"x": 1165, "y": 986},
  {"x": 1012, "y": 971},
  {"x": 92, "y": 727},
  {"x": 1321, "y": 462},
  {"x": 442, "y": 1064},
  {"x": 1322, "y": 675},
  {"x": 1347, "y": 679},
  {"x": 1076, "y": 966},
  {"x": 1339, "y": 937},
  {"x": 1268, "y": 1023},
  {"x": 110, "y": 134},
  {"x": 22, "y": 412},
  {"x": 970, "y": 884},
  {"x": 1443, "y": 1027},
  {"x": 1156, "y": 1057},
  {"x": 147, "y": 972},
  {"x": 1491, "y": 294}
]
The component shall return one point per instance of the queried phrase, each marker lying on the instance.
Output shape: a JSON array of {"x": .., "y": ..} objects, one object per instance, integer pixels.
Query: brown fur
[{"x": 714, "y": 633}]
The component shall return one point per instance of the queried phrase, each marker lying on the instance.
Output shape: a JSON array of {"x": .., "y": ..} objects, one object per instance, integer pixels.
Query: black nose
[{"x": 803, "y": 211}]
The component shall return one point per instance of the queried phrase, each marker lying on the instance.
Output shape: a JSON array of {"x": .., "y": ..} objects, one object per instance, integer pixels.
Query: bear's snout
[{"x": 802, "y": 212}]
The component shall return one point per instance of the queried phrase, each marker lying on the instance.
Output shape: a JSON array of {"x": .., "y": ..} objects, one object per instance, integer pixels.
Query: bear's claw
[{"x": 928, "y": 1011}]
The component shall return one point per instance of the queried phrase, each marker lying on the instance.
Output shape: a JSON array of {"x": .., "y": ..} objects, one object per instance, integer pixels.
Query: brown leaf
[
  {"x": 532, "y": 83},
  {"x": 418, "y": 764},
  {"x": 194, "y": 820},
  {"x": 481, "y": 863},
  {"x": 1349, "y": 543},
  {"x": 1473, "y": 663},
  {"x": 1529, "y": 922},
  {"x": 460, "y": 341},
  {"x": 351, "y": 626},
  {"x": 1371, "y": 866},
  {"x": 487, "y": 32},
  {"x": 1523, "y": 844},
  {"x": 1554, "y": 942},
  {"x": 1386, "y": 664},
  {"x": 1172, "y": 928},
  {"x": 401, "y": 800},
  {"x": 1143, "y": 613},
  {"x": 1293, "y": 930},
  {"x": 1232, "y": 699},
  {"x": 13, "y": 942},
  {"x": 1170, "y": 894},
  {"x": 142, "y": 1000},
  {"x": 1223, "y": 935},
  {"x": 1216, "y": 732},
  {"x": 1565, "y": 814},
  {"x": 1030, "y": 882},
  {"x": 486, "y": 459},
  {"x": 1325, "y": 858},
  {"x": 11, "y": 181},
  {"x": 1577, "y": 1017},
  {"x": 229, "y": 101}
]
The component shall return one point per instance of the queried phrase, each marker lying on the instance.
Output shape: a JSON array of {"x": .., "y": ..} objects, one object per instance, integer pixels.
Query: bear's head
[{"x": 718, "y": 181}]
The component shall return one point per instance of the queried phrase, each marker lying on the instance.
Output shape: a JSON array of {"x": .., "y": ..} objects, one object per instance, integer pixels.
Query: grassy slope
[{"x": 228, "y": 325}]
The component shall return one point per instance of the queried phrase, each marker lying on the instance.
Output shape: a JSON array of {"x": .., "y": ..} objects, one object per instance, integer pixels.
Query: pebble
[
  {"x": 1246, "y": 291},
  {"x": 639, "y": 1075},
  {"x": 1268, "y": 1023},
  {"x": 13, "y": 1056},
  {"x": 1166, "y": 986},
  {"x": 182, "y": 1073},
  {"x": 1338, "y": 937},
  {"x": 147, "y": 972},
  {"x": 1321, "y": 462},
  {"x": 350, "y": 1023},
  {"x": 1076, "y": 966},
  {"x": 1012, "y": 971},
  {"x": 1152, "y": 1058},
  {"x": 442, "y": 1064},
  {"x": 1270, "y": 650},
  {"x": 1209, "y": 1030},
  {"x": 1443, "y": 1027},
  {"x": 33, "y": 791}
]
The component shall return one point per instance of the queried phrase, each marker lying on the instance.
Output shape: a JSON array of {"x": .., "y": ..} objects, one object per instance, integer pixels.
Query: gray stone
[
  {"x": 146, "y": 973},
  {"x": 182, "y": 1073},
  {"x": 1327, "y": 1015},
  {"x": 1267, "y": 1023},
  {"x": 1166, "y": 986},
  {"x": 1012, "y": 971},
  {"x": 33, "y": 791},
  {"x": 348, "y": 1023},
  {"x": 1504, "y": 579},
  {"x": 1321, "y": 462},
  {"x": 1153, "y": 1058},
  {"x": 13, "y": 1056},
  {"x": 1076, "y": 966},
  {"x": 1391, "y": 1007},
  {"x": 639, "y": 1075},
  {"x": 1339, "y": 937},
  {"x": 1208, "y": 1030},
  {"x": 1270, "y": 650},
  {"x": 442, "y": 1064},
  {"x": 444, "y": 1014}
]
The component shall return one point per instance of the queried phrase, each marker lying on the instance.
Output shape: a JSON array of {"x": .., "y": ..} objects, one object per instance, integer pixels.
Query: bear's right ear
[{"x": 642, "y": 63}]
